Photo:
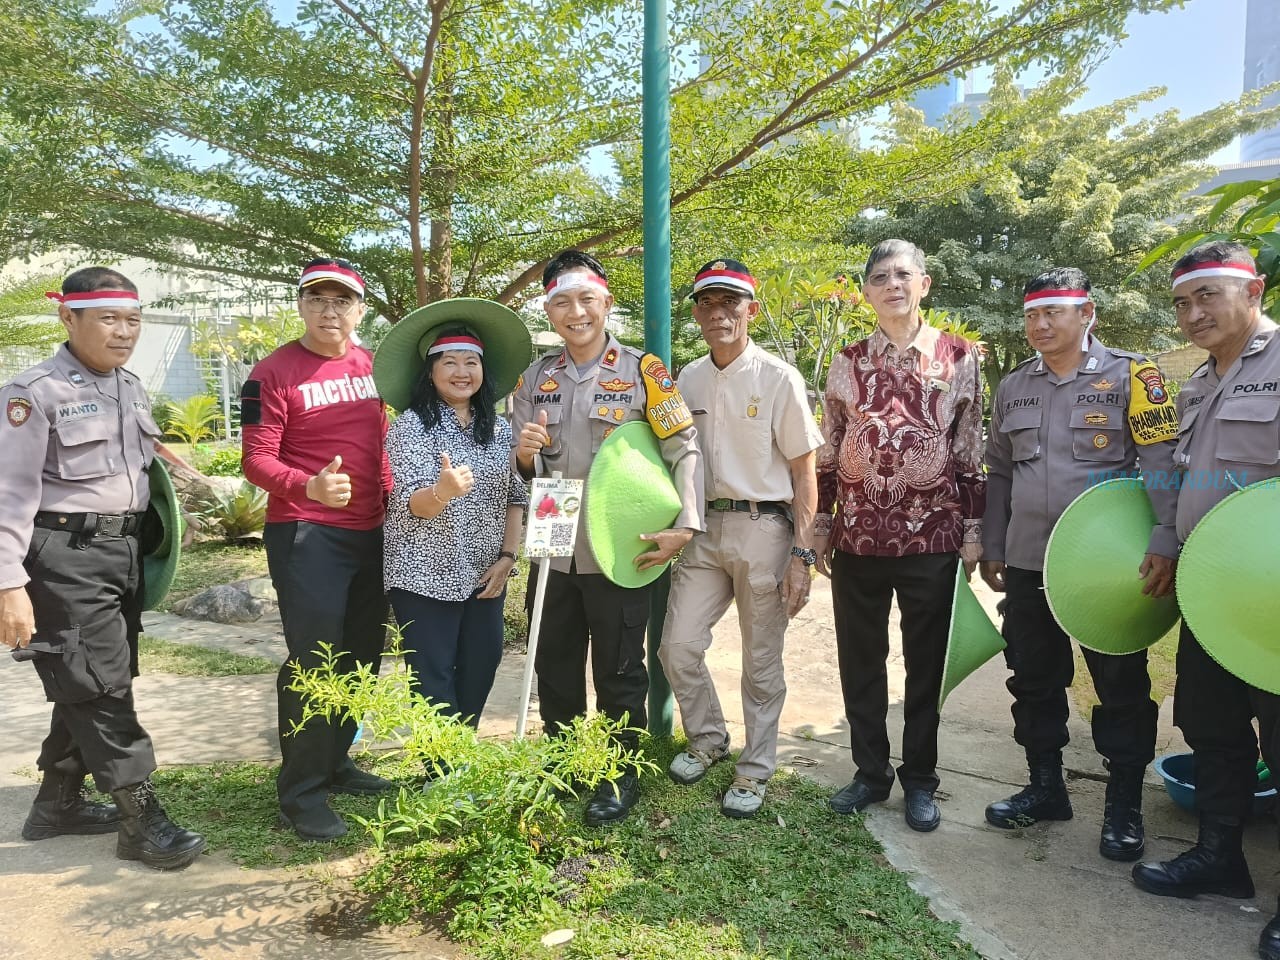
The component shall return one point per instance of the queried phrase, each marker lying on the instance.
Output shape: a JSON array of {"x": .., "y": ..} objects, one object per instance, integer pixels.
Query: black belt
[
  {"x": 94, "y": 524},
  {"x": 744, "y": 506}
]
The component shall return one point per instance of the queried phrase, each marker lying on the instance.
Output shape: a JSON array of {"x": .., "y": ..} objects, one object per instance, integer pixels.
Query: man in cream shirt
[{"x": 758, "y": 440}]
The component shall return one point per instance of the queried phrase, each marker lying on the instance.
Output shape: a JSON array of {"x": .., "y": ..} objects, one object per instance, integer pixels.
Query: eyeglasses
[
  {"x": 880, "y": 279},
  {"x": 341, "y": 305}
]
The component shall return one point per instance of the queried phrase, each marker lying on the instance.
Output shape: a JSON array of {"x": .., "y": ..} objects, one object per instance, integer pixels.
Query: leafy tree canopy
[
  {"x": 1096, "y": 190},
  {"x": 443, "y": 146}
]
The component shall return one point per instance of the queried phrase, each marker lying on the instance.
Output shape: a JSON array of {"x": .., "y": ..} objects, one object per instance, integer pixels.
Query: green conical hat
[
  {"x": 629, "y": 492},
  {"x": 973, "y": 639},
  {"x": 161, "y": 536},
  {"x": 1091, "y": 570},
  {"x": 1228, "y": 586},
  {"x": 507, "y": 345}
]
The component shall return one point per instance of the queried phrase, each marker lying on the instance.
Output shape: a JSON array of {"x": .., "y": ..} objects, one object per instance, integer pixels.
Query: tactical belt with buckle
[
  {"x": 92, "y": 524},
  {"x": 744, "y": 506}
]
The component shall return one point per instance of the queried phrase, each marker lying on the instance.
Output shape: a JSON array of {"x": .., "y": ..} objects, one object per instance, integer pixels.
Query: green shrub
[
  {"x": 236, "y": 514},
  {"x": 481, "y": 844},
  {"x": 193, "y": 419},
  {"x": 220, "y": 461}
]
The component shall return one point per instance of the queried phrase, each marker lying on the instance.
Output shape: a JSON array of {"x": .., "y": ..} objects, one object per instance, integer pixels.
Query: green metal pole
[{"x": 656, "y": 81}]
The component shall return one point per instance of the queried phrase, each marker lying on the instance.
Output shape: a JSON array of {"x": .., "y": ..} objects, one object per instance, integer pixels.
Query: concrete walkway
[{"x": 1039, "y": 894}]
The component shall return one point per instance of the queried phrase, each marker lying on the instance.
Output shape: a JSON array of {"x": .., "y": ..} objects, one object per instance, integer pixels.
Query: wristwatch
[{"x": 810, "y": 556}]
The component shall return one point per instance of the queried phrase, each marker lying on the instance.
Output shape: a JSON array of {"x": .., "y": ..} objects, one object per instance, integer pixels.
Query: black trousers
[
  {"x": 329, "y": 584},
  {"x": 587, "y": 610},
  {"x": 1040, "y": 656},
  {"x": 87, "y": 598},
  {"x": 1215, "y": 711},
  {"x": 862, "y": 589},
  {"x": 453, "y": 647}
]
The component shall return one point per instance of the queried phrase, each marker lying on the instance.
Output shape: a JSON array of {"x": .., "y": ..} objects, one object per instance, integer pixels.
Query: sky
[{"x": 1196, "y": 52}]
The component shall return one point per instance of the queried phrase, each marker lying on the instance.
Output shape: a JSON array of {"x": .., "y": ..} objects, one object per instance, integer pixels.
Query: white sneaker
[
  {"x": 692, "y": 765},
  {"x": 743, "y": 799}
]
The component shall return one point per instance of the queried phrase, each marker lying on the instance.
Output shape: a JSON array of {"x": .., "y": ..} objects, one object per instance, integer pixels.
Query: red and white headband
[
  {"x": 331, "y": 271},
  {"x": 1215, "y": 268},
  {"x": 457, "y": 341},
  {"x": 97, "y": 298},
  {"x": 1055, "y": 298},
  {"x": 723, "y": 277},
  {"x": 574, "y": 279}
]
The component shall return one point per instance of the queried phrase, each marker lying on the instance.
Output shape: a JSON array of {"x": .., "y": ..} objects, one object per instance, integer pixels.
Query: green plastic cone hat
[
  {"x": 629, "y": 492},
  {"x": 1227, "y": 584},
  {"x": 161, "y": 536},
  {"x": 403, "y": 351},
  {"x": 973, "y": 639},
  {"x": 1091, "y": 570}
]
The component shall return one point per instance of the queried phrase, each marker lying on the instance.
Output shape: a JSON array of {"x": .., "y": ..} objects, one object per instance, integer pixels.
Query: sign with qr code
[{"x": 554, "y": 505}]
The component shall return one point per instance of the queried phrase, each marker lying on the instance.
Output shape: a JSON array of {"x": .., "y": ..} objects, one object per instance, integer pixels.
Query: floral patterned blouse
[
  {"x": 901, "y": 472},
  {"x": 444, "y": 558}
]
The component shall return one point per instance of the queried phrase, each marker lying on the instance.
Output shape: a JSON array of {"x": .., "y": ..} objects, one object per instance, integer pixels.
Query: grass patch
[
  {"x": 515, "y": 620},
  {"x": 234, "y": 805},
  {"x": 185, "y": 660},
  {"x": 1161, "y": 664},
  {"x": 679, "y": 880},
  {"x": 676, "y": 881},
  {"x": 207, "y": 563}
]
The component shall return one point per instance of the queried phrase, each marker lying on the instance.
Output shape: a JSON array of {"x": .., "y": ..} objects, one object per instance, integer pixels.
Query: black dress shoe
[
  {"x": 316, "y": 824},
  {"x": 857, "y": 796},
  {"x": 1269, "y": 942},
  {"x": 360, "y": 783},
  {"x": 923, "y": 814},
  {"x": 613, "y": 800}
]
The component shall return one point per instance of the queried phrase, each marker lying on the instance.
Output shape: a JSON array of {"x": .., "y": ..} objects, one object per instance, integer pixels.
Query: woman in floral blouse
[{"x": 456, "y": 508}]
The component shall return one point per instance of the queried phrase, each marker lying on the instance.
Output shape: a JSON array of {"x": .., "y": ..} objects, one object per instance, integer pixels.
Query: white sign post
[{"x": 554, "y": 504}]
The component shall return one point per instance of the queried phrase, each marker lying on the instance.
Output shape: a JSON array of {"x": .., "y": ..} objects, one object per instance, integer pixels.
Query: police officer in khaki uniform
[
  {"x": 564, "y": 406},
  {"x": 758, "y": 440},
  {"x": 1076, "y": 415},
  {"x": 1229, "y": 437},
  {"x": 77, "y": 439}
]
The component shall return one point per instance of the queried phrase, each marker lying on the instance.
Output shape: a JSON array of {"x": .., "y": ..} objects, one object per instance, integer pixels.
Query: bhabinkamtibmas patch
[
  {"x": 1152, "y": 415},
  {"x": 667, "y": 412}
]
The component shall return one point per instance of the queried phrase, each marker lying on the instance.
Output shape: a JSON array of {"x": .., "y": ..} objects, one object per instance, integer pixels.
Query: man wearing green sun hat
[
  {"x": 1230, "y": 415},
  {"x": 1077, "y": 411},
  {"x": 564, "y": 408}
]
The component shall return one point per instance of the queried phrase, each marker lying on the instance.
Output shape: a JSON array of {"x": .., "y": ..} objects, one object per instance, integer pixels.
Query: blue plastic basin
[{"x": 1178, "y": 771}]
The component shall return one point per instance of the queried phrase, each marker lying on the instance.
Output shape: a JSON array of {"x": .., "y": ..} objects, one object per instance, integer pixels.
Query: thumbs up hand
[
  {"x": 454, "y": 481},
  {"x": 330, "y": 486},
  {"x": 533, "y": 437}
]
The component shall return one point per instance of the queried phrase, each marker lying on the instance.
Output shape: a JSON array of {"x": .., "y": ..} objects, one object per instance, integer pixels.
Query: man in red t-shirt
[{"x": 313, "y": 429}]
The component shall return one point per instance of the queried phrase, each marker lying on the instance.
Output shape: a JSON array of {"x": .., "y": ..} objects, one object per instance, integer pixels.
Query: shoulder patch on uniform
[
  {"x": 666, "y": 410},
  {"x": 17, "y": 411},
  {"x": 251, "y": 403},
  {"x": 1152, "y": 415}
]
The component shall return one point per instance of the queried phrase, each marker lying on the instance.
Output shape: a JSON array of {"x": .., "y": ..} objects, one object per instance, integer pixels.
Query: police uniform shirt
[
  {"x": 752, "y": 419},
  {"x": 72, "y": 441},
  {"x": 1051, "y": 438},
  {"x": 1230, "y": 427},
  {"x": 583, "y": 407}
]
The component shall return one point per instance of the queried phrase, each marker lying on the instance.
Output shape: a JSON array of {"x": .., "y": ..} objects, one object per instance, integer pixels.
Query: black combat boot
[
  {"x": 147, "y": 833},
  {"x": 62, "y": 808},
  {"x": 1045, "y": 798},
  {"x": 1215, "y": 864},
  {"x": 1269, "y": 942},
  {"x": 1122, "y": 835}
]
